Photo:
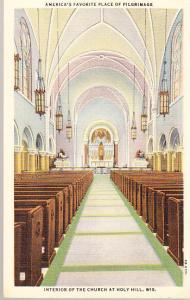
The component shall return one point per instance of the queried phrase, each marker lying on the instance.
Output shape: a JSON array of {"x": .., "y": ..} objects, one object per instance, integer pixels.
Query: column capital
[
  {"x": 42, "y": 153},
  {"x": 170, "y": 151},
  {"x": 18, "y": 148},
  {"x": 32, "y": 151}
]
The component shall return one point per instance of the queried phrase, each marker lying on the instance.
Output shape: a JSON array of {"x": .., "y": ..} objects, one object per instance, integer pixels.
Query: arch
[
  {"x": 107, "y": 132},
  {"x": 174, "y": 139},
  {"x": 39, "y": 142},
  {"x": 28, "y": 137},
  {"x": 150, "y": 145},
  {"x": 102, "y": 60},
  {"x": 162, "y": 143},
  {"x": 102, "y": 91},
  {"x": 51, "y": 145},
  {"x": 101, "y": 123},
  {"x": 16, "y": 135}
]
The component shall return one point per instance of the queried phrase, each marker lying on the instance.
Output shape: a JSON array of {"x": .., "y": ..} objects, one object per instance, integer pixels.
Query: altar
[
  {"x": 140, "y": 163},
  {"x": 61, "y": 163},
  {"x": 102, "y": 163}
]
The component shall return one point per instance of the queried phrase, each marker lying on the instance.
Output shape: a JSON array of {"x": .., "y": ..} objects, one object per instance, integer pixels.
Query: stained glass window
[
  {"x": 176, "y": 63},
  {"x": 26, "y": 59}
]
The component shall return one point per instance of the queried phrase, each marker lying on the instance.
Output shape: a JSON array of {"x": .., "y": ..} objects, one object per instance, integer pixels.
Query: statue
[
  {"x": 140, "y": 154},
  {"x": 101, "y": 151},
  {"x": 61, "y": 154}
]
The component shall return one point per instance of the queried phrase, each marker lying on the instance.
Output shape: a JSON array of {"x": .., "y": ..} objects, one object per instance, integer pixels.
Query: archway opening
[{"x": 101, "y": 148}]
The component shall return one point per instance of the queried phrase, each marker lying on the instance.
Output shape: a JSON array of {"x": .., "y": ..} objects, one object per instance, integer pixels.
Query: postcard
[{"x": 96, "y": 140}]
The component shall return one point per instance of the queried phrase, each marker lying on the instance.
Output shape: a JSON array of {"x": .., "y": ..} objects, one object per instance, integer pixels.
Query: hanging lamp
[
  {"x": 133, "y": 125},
  {"x": 59, "y": 113},
  {"x": 164, "y": 92},
  {"x": 144, "y": 117},
  {"x": 68, "y": 126},
  {"x": 16, "y": 69},
  {"x": 40, "y": 87}
]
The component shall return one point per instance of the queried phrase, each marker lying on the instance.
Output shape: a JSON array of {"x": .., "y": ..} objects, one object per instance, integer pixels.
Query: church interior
[{"x": 98, "y": 147}]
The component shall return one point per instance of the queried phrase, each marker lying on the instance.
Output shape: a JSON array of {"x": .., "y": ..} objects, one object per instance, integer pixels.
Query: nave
[
  {"x": 98, "y": 91},
  {"x": 108, "y": 244}
]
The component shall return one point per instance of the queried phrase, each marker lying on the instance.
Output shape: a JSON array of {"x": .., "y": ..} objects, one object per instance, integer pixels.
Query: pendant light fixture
[
  {"x": 164, "y": 93},
  {"x": 133, "y": 125},
  {"x": 40, "y": 88},
  {"x": 16, "y": 69},
  {"x": 68, "y": 126},
  {"x": 59, "y": 114},
  {"x": 144, "y": 117}
]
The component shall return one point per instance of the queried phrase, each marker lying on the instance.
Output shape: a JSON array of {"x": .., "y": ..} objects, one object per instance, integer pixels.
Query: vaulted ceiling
[{"x": 102, "y": 38}]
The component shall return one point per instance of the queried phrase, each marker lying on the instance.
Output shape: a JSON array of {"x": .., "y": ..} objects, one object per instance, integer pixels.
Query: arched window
[
  {"x": 174, "y": 139},
  {"x": 39, "y": 142},
  {"x": 163, "y": 144},
  {"x": 26, "y": 59},
  {"x": 176, "y": 63},
  {"x": 150, "y": 146}
]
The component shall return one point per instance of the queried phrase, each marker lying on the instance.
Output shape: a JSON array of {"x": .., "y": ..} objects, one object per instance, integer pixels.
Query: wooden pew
[
  {"x": 48, "y": 243},
  {"x": 148, "y": 203},
  {"x": 67, "y": 194},
  {"x": 152, "y": 203},
  {"x": 54, "y": 184},
  {"x": 31, "y": 245},
  {"x": 18, "y": 227},
  {"x": 61, "y": 206},
  {"x": 162, "y": 215},
  {"x": 175, "y": 229}
]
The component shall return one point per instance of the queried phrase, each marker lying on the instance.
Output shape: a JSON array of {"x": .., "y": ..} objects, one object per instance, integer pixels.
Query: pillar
[
  {"x": 86, "y": 153},
  {"x": 51, "y": 160},
  {"x": 169, "y": 161},
  {"x": 17, "y": 159},
  {"x": 174, "y": 161},
  {"x": 159, "y": 161},
  {"x": 25, "y": 160},
  {"x": 32, "y": 160},
  {"x": 180, "y": 159},
  {"x": 115, "y": 153},
  {"x": 47, "y": 162},
  {"x": 43, "y": 161},
  {"x": 154, "y": 161}
]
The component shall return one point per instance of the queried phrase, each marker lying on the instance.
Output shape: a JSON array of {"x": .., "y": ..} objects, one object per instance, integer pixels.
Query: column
[
  {"x": 159, "y": 161},
  {"x": 173, "y": 161},
  {"x": 115, "y": 153},
  {"x": 154, "y": 161},
  {"x": 51, "y": 159},
  {"x": 43, "y": 161},
  {"x": 180, "y": 158},
  {"x": 32, "y": 160},
  {"x": 17, "y": 159},
  {"x": 86, "y": 153},
  {"x": 169, "y": 161},
  {"x": 47, "y": 162}
]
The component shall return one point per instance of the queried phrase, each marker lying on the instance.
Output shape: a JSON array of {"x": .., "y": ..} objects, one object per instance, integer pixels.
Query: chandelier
[
  {"x": 59, "y": 113},
  {"x": 68, "y": 126},
  {"x": 164, "y": 92},
  {"x": 144, "y": 117},
  {"x": 133, "y": 125},
  {"x": 40, "y": 87}
]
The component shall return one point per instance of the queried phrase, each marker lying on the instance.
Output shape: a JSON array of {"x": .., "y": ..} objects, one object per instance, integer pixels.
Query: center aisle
[{"x": 108, "y": 244}]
